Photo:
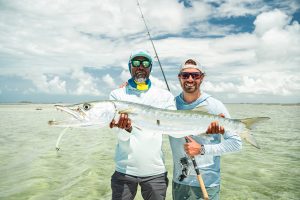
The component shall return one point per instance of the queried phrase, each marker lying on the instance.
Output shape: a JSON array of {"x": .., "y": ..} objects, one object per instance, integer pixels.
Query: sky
[{"x": 74, "y": 50}]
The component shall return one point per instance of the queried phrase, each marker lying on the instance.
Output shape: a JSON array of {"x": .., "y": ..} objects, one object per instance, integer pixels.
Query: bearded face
[{"x": 140, "y": 73}]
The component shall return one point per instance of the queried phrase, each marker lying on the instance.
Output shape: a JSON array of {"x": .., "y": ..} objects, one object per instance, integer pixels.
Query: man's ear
[{"x": 201, "y": 80}]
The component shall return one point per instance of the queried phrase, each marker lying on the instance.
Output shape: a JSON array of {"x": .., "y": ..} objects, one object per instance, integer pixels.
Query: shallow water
[{"x": 32, "y": 169}]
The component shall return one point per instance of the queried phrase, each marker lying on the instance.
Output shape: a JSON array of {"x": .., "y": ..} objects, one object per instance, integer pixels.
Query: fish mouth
[
  {"x": 78, "y": 116},
  {"x": 77, "y": 113}
]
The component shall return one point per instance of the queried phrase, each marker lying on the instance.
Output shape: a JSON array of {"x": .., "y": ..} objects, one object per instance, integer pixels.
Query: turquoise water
[{"x": 32, "y": 169}]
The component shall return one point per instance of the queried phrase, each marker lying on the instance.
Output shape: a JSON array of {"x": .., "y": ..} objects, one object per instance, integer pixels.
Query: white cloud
[
  {"x": 274, "y": 83},
  {"x": 157, "y": 82},
  {"x": 278, "y": 40},
  {"x": 47, "y": 84},
  {"x": 57, "y": 85},
  {"x": 109, "y": 81},
  {"x": 219, "y": 87},
  {"x": 271, "y": 83},
  {"x": 125, "y": 75},
  {"x": 86, "y": 84},
  {"x": 270, "y": 20},
  {"x": 170, "y": 21}
]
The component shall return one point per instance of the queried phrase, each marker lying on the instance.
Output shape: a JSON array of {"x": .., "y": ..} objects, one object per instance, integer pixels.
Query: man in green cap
[{"x": 139, "y": 158}]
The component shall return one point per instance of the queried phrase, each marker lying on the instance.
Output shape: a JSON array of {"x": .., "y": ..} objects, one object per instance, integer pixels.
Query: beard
[{"x": 140, "y": 76}]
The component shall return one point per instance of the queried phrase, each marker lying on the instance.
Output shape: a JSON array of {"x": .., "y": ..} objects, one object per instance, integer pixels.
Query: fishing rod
[
  {"x": 199, "y": 177},
  {"x": 162, "y": 71}
]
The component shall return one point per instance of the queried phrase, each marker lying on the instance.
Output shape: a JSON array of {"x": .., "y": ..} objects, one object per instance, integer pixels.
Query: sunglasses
[
  {"x": 137, "y": 63},
  {"x": 186, "y": 75}
]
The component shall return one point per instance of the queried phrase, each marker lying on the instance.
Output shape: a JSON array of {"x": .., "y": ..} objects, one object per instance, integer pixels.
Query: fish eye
[{"x": 86, "y": 106}]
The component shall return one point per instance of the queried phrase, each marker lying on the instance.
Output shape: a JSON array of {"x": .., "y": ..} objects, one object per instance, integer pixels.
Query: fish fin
[
  {"x": 249, "y": 138},
  {"x": 202, "y": 134},
  {"x": 126, "y": 111},
  {"x": 201, "y": 109},
  {"x": 158, "y": 122},
  {"x": 250, "y": 123}
]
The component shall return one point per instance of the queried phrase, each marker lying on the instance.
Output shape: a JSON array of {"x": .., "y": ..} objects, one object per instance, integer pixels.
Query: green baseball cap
[{"x": 142, "y": 53}]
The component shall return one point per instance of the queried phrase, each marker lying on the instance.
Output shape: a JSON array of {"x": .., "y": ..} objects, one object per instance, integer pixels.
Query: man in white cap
[
  {"x": 206, "y": 150},
  {"x": 139, "y": 157}
]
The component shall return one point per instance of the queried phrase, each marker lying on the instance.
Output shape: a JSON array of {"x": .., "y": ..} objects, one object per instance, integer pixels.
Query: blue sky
[{"x": 72, "y": 51}]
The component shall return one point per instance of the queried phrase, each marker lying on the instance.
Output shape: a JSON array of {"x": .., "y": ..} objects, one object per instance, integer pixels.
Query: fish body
[{"x": 177, "y": 123}]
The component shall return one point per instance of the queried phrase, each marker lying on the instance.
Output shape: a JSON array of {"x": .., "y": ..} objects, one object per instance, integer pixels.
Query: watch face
[{"x": 202, "y": 150}]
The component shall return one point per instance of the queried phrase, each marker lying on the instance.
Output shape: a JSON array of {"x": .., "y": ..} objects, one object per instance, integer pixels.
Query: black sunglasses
[
  {"x": 137, "y": 63},
  {"x": 186, "y": 75}
]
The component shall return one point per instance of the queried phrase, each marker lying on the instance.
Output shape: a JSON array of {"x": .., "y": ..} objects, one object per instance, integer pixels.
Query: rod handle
[
  {"x": 202, "y": 186},
  {"x": 199, "y": 177}
]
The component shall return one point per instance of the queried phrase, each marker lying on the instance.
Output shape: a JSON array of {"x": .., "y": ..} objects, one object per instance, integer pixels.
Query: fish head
[{"x": 97, "y": 114}]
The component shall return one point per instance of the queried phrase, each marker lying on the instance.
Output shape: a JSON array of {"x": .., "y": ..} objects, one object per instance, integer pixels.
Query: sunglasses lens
[
  {"x": 136, "y": 63},
  {"x": 185, "y": 75},
  {"x": 146, "y": 63},
  {"x": 196, "y": 75}
]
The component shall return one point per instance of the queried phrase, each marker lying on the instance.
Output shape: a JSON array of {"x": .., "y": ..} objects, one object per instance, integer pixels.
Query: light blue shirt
[
  {"x": 209, "y": 164},
  {"x": 139, "y": 153}
]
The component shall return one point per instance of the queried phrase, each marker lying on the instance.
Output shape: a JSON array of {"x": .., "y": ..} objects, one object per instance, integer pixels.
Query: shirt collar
[{"x": 182, "y": 105}]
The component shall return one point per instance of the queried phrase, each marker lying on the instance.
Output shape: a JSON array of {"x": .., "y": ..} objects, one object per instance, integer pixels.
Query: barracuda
[{"x": 176, "y": 123}]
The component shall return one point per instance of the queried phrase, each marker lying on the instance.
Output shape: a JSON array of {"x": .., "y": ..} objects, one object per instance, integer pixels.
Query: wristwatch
[{"x": 202, "y": 152}]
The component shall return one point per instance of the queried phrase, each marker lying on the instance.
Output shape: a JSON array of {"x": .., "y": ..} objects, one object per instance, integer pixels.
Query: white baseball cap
[{"x": 191, "y": 63}]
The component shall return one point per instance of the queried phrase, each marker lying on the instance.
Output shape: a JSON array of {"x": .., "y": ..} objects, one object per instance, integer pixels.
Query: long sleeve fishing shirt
[
  {"x": 209, "y": 164},
  {"x": 139, "y": 153}
]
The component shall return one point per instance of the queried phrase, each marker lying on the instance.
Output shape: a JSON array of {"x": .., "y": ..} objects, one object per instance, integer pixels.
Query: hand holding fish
[
  {"x": 214, "y": 127},
  {"x": 192, "y": 148},
  {"x": 123, "y": 123}
]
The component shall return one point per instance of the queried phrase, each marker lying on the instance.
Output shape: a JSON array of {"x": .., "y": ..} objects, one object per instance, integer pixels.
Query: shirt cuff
[{"x": 122, "y": 134}]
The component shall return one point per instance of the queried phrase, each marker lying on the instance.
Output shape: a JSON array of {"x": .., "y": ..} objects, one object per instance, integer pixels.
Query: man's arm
[{"x": 231, "y": 143}]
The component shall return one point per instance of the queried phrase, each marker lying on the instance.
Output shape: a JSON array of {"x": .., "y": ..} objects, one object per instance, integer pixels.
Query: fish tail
[
  {"x": 250, "y": 123},
  {"x": 250, "y": 138}
]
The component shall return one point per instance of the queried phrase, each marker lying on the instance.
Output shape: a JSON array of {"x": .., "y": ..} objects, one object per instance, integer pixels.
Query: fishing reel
[{"x": 184, "y": 168}]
